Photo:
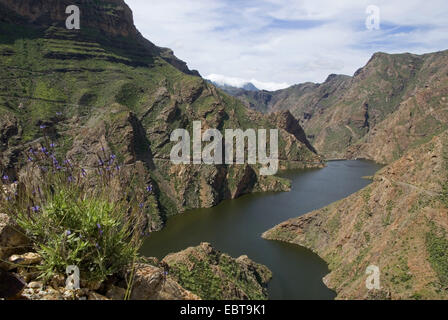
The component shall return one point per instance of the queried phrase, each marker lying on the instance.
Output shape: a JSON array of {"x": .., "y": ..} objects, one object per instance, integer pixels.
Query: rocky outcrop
[
  {"x": 398, "y": 223},
  {"x": 216, "y": 276},
  {"x": 153, "y": 283},
  {"x": 286, "y": 121}
]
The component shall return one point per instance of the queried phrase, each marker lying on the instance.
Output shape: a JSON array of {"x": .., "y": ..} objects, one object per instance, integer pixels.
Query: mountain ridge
[{"x": 342, "y": 115}]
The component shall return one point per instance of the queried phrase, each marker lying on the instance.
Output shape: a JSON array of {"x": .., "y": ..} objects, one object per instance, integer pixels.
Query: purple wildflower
[
  {"x": 100, "y": 231},
  {"x": 68, "y": 232},
  {"x": 149, "y": 188},
  {"x": 52, "y": 145},
  {"x": 42, "y": 126},
  {"x": 141, "y": 205},
  {"x": 83, "y": 173},
  {"x": 30, "y": 159},
  {"x": 59, "y": 113},
  {"x": 5, "y": 177},
  {"x": 70, "y": 179},
  {"x": 35, "y": 208},
  {"x": 43, "y": 149}
]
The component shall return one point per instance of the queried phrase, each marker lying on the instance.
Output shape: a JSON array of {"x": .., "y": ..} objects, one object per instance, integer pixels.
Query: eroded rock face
[
  {"x": 213, "y": 275},
  {"x": 152, "y": 283},
  {"x": 111, "y": 17}
]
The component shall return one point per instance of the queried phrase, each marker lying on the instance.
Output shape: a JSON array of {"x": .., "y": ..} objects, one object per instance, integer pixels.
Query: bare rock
[
  {"x": 96, "y": 296},
  {"x": 10, "y": 285},
  {"x": 116, "y": 293},
  {"x": 12, "y": 239},
  {"x": 26, "y": 259}
]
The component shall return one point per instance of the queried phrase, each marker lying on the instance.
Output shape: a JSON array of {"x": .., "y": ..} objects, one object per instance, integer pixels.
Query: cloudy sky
[{"x": 277, "y": 43}]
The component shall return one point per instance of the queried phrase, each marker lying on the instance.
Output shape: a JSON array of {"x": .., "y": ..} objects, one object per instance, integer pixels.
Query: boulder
[
  {"x": 12, "y": 240},
  {"x": 116, "y": 293},
  {"x": 10, "y": 285},
  {"x": 26, "y": 259}
]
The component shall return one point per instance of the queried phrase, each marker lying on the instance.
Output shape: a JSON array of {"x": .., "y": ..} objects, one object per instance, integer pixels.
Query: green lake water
[{"x": 235, "y": 227}]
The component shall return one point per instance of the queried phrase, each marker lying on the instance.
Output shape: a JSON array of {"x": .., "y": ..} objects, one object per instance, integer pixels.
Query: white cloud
[
  {"x": 239, "y": 83},
  {"x": 263, "y": 41}
]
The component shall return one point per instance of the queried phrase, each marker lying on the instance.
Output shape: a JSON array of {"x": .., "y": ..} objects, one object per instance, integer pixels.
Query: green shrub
[
  {"x": 437, "y": 247},
  {"x": 94, "y": 234},
  {"x": 76, "y": 216}
]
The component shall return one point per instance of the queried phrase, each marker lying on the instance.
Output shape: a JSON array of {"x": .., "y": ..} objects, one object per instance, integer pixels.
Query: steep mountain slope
[
  {"x": 394, "y": 102},
  {"x": 398, "y": 223},
  {"x": 105, "y": 89}
]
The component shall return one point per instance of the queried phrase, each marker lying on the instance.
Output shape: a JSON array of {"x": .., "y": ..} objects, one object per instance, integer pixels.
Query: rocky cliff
[
  {"x": 398, "y": 223},
  {"x": 105, "y": 89},
  {"x": 112, "y": 17}
]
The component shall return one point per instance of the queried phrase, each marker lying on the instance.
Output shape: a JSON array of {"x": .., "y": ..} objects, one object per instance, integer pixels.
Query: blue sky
[{"x": 277, "y": 43}]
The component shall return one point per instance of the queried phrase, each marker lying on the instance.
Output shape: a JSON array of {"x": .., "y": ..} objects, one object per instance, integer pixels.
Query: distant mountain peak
[{"x": 250, "y": 87}]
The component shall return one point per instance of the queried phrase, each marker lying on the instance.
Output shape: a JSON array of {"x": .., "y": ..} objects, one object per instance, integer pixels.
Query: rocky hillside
[
  {"x": 393, "y": 103},
  {"x": 398, "y": 223},
  {"x": 217, "y": 276},
  {"x": 106, "y": 89}
]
